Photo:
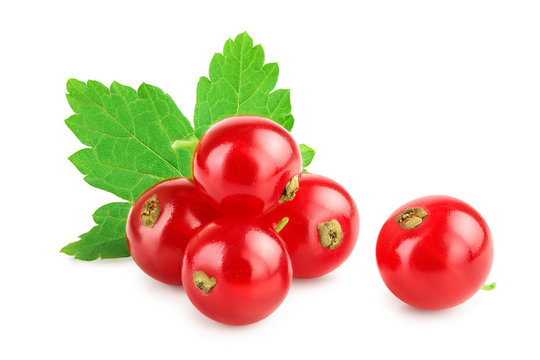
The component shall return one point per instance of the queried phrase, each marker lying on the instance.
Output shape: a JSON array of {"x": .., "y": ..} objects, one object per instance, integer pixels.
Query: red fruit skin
[
  {"x": 250, "y": 264},
  {"x": 318, "y": 200},
  {"x": 159, "y": 250},
  {"x": 242, "y": 164},
  {"x": 442, "y": 262}
]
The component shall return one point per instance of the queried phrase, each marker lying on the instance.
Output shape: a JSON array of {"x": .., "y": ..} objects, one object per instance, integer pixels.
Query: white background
[{"x": 400, "y": 99}]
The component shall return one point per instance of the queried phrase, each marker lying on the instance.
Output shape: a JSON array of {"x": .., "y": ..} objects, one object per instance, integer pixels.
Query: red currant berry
[
  {"x": 160, "y": 224},
  {"x": 245, "y": 165},
  {"x": 434, "y": 252},
  {"x": 236, "y": 271},
  {"x": 322, "y": 228}
]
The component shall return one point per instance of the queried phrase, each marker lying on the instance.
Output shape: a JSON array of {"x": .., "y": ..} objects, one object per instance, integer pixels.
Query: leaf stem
[
  {"x": 489, "y": 287},
  {"x": 281, "y": 224},
  {"x": 189, "y": 143}
]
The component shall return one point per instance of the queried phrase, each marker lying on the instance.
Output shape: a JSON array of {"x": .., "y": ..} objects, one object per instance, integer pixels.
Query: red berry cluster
[{"x": 221, "y": 235}]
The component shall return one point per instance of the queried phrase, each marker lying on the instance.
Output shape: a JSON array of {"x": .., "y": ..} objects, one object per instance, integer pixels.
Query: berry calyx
[
  {"x": 290, "y": 190},
  {"x": 411, "y": 218},
  {"x": 330, "y": 234},
  {"x": 150, "y": 212},
  {"x": 203, "y": 282}
]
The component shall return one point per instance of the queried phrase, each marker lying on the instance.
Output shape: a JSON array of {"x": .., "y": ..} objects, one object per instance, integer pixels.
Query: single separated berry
[{"x": 434, "y": 252}]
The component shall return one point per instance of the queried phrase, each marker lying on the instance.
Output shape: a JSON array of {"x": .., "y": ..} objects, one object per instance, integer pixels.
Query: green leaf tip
[
  {"x": 489, "y": 287},
  {"x": 240, "y": 83},
  {"x": 307, "y": 155},
  {"x": 106, "y": 240}
]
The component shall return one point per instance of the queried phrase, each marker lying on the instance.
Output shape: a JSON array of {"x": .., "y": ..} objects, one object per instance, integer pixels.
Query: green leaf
[
  {"x": 129, "y": 135},
  {"x": 240, "y": 83},
  {"x": 307, "y": 154},
  {"x": 107, "y": 239}
]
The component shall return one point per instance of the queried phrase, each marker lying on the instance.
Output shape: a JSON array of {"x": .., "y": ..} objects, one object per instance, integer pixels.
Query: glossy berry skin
[
  {"x": 438, "y": 261},
  {"x": 158, "y": 249},
  {"x": 236, "y": 271},
  {"x": 243, "y": 164},
  {"x": 317, "y": 201}
]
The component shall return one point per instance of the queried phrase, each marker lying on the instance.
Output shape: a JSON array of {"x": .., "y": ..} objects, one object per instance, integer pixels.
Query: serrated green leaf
[
  {"x": 129, "y": 134},
  {"x": 107, "y": 239},
  {"x": 307, "y": 154},
  {"x": 240, "y": 83}
]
